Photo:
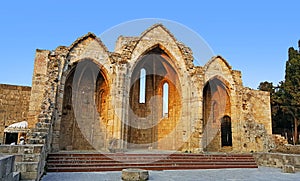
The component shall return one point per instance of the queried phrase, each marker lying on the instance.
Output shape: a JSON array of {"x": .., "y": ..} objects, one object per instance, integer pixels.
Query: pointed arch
[
  {"x": 146, "y": 122},
  {"x": 85, "y": 37},
  {"x": 89, "y": 46},
  {"x": 218, "y": 67},
  {"x": 158, "y": 35},
  {"x": 158, "y": 26},
  {"x": 216, "y": 105},
  {"x": 87, "y": 86},
  {"x": 214, "y": 59}
]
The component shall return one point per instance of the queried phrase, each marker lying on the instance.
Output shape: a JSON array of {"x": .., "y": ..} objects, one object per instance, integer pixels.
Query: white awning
[{"x": 17, "y": 127}]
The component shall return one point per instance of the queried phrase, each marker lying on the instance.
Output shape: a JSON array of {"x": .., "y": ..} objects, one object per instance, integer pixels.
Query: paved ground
[{"x": 262, "y": 173}]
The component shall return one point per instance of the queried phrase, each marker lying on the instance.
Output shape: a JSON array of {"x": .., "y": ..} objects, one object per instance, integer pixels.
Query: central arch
[{"x": 154, "y": 103}]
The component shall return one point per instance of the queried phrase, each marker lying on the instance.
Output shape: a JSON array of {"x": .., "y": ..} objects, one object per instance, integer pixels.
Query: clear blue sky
[{"x": 253, "y": 36}]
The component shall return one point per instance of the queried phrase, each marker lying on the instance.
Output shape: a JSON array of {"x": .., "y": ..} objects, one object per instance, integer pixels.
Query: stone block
[
  {"x": 288, "y": 169},
  {"x": 4, "y": 149},
  {"x": 133, "y": 174},
  {"x": 6, "y": 167},
  {"x": 29, "y": 175},
  {"x": 14, "y": 149},
  {"x": 30, "y": 158},
  {"x": 3, "y": 163},
  {"x": 37, "y": 148},
  {"x": 10, "y": 164}
]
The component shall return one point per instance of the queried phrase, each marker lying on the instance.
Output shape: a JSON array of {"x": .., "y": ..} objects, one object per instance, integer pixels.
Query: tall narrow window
[
  {"x": 165, "y": 99},
  {"x": 226, "y": 134},
  {"x": 142, "y": 86}
]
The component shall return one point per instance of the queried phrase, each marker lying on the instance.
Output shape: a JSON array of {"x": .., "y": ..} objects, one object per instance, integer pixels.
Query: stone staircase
[{"x": 96, "y": 162}]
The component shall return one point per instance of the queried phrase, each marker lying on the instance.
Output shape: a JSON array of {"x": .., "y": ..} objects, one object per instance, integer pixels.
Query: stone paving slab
[{"x": 259, "y": 174}]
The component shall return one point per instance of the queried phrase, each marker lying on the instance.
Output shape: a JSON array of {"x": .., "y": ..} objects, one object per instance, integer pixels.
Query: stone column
[{"x": 38, "y": 86}]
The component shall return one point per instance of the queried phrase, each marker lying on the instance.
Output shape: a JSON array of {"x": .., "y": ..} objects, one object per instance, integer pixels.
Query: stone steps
[{"x": 95, "y": 162}]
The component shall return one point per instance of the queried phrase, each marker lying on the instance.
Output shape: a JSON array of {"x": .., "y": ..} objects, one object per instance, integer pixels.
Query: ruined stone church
[{"x": 147, "y": 94}]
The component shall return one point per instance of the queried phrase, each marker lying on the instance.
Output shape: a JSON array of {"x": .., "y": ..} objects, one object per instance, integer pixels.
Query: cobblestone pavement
[{"x": 262, "y": 173}]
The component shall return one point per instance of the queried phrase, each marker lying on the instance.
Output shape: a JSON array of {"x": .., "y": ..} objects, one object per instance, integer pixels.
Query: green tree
[
  {"x": 291, "y": 89},
  {"x": 266, "y": 86},
  {"x": 285, "y": 97}
]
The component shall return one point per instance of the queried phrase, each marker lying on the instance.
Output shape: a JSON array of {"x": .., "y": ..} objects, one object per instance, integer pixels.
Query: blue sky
[{"x": 253, "y": 36}]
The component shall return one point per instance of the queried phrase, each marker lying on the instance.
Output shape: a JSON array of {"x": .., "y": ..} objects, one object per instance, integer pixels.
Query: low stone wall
[
  {"x": 6, "y": 167},
  {"x": 277, "y": 160},
  {"x": 287, "y": 148},
  {"x": 29, "y": 160}
]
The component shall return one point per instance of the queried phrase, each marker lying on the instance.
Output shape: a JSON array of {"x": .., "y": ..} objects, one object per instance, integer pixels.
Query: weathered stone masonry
[
  {"x": 112, "y": 98},
  {"x": 14, "y": 103},
  {"x": 84, "y": 97}
]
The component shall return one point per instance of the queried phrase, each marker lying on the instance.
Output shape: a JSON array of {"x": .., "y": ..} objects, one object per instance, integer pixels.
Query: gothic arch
[
  {"x": 216, "y": 105},
  {"x": 216, "y": 58},
  {"x": 158, "y": 35},
  {"x": 145, "y": 127},
  {"x": 220, "y": 68},
  {"x": 165, "y": 53},
  {"x": 224, "y": 81},
  {"x": 82, "y": 125},
  {"x": 90, "y": 47}
]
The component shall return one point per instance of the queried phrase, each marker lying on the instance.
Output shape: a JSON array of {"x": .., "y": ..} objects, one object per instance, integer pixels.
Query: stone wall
[
  {"x": 14, "y": 102},
  {"x": 287, "y": 149},
  {"x": 61, "y": 96},
  {"x": 30, "y": 160},
  {"x": 47, "y": 106},
  {"x": 256, "y": 125},
  {"x": 277, "y": 160},
  {"x": 187, "y": 122},
  {"x": 7, "y": 167}
]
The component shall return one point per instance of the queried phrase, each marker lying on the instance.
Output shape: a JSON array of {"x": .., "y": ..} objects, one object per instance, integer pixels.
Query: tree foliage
[
  {"x": 285, "y": 98},
  {"x": 292, "y": 79},
  {"x": 291, "y": 87}
]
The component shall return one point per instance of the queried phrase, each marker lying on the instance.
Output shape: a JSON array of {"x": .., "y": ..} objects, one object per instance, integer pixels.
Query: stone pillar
[
  {"x": 38, "y": 86},
  {"x": 118, "y": 103}
]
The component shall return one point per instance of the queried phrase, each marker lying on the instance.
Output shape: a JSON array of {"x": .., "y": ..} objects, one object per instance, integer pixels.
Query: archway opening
[
  {"x": 216, "y": 105},
  {"x": 84, "y": 109},
  {"x": 154, "y": 103},
  {"x": 226, "y": 134}
]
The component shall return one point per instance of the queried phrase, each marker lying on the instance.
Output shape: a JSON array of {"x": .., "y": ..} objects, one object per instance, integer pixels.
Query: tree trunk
[{"x": 295, "y": 130}]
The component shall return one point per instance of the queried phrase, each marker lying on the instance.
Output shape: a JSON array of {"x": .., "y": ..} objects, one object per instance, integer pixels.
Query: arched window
[
  {"x": 226, "y": 134},
  {"x": 142, "y": 86},
  {"x": 165, "y": 99}
]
